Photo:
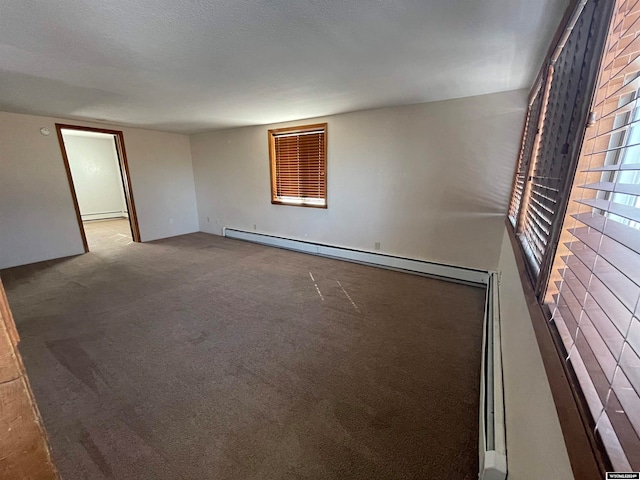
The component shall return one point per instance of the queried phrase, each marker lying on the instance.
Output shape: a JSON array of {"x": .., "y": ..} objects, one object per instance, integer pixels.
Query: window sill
[
  {"x": 583, "y": 447},
  {"x": 295, "y": 204}
]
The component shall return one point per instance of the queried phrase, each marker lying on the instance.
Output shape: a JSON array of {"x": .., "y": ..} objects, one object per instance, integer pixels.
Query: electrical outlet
[
  {"x": 217, "y": 221},
  {"x": 171, "y": 220},
  {"x": 208, "y": 220},
  {"x": 377, "y": 245}
]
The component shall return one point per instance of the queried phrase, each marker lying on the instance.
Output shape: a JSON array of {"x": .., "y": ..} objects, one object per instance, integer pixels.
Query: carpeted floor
[
  {"x": 107, "y": 234},
  {"x": 200, "y": 357}
]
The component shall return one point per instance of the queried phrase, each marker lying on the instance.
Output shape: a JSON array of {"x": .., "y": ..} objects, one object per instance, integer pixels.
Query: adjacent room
[
  {"x": 319, "y": 240},
  {"x": 98, "y": 183}
]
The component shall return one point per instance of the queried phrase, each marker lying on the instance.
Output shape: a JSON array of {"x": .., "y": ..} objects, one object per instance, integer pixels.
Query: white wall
[
  {"x": 427, "y": 181},
  {"x": 96, "y": 176},
  {"x": 37, "y": 218},
  {"x": 535, "y": 445}
]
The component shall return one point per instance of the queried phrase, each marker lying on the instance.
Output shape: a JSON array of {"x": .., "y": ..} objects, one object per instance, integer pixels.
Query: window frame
[
  {"x": 587, "y": 454},
  {"x": 540, "y": 274},
  {"x": 272, "y": 134}
]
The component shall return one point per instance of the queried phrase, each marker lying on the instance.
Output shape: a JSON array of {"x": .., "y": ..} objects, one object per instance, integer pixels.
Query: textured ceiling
[{"x": 194, "y": 65}]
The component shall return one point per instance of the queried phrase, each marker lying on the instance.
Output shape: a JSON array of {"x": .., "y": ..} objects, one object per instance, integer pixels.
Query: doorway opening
[{"x": 96, "y": 163}]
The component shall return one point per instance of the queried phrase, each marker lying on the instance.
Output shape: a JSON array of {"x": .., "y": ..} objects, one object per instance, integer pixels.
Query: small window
[{"x": 299, "y": 165}]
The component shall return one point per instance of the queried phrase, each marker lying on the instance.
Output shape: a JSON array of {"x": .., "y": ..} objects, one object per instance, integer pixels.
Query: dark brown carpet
[{"x": 200, "y": 357}]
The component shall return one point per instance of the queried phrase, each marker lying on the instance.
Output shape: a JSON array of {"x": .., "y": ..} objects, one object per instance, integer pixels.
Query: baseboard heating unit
[
  {"x": 492, "y": 436},
  {"x": 461, "y": 274}
]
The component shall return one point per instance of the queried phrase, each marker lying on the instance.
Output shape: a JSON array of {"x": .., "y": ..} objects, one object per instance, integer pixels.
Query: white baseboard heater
[
  {"x": 492, "y": 437},
  {"x": 104, "y": 215},
  {"x": 461, "y": 274}
]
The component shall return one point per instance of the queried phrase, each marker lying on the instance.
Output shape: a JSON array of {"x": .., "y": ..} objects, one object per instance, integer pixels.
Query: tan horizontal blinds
[
  {"x": 298, "y": 166},
  {"x": 595, "y": 284},
  {"x": 526, "y": 152},
  {"x": 563, "y": 103}
]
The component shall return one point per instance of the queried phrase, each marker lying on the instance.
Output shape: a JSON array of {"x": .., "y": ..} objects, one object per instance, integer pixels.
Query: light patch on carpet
[
  {"x": 348, "y": 296},
  {"x": 316, "y": 285}
]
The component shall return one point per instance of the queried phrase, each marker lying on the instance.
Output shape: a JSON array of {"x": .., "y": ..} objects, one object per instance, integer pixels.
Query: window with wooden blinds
[
  {"x": 594, "y": 291},
  {"x": 575, "y": 210},
  {"x": 569, "y": 80},
  {"x": 299, "y": 165}
]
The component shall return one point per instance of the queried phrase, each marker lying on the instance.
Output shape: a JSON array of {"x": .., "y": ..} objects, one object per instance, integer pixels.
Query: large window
[
  {"x": 576, "y": 211},
  {"x": 299, "y": 165}
]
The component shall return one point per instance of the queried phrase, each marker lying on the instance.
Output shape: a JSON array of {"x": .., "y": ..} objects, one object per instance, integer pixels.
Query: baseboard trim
[
  {"x": 88, "y": 217},
  {"x": 432, "y": 269}
]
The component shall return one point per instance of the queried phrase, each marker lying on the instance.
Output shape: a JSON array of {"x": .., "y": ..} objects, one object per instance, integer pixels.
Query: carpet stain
[
  {"x": 94, "y": 453},
  {"x": 351, "y": 417},
  {"x": 385, "y": 419},
  {"x": 356, "y": 417},
  {"x": 81, "y": 285},
  {"x": 131, "y": 418},
  {"x": 200, "y": 338},
  {"x": 259, "y": 377},
  {"x": 141, "y": 428},
  {"x": 74, "y": 358}
]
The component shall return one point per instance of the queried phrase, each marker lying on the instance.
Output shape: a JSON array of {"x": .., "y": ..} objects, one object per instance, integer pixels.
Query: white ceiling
[{"x": 194, "y": 65}]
